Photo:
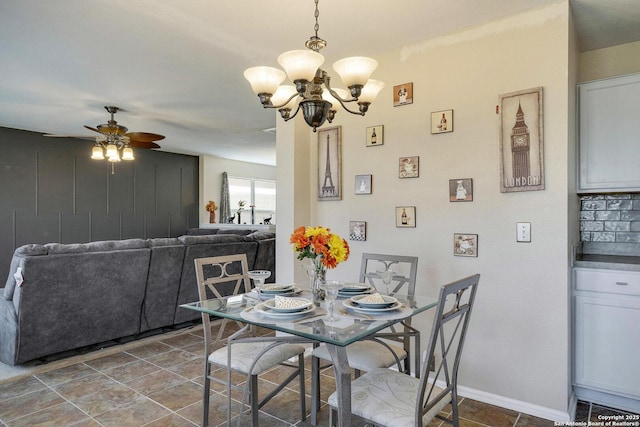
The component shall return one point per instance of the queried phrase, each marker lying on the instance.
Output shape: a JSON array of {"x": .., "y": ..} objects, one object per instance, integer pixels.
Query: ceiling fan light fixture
[
  {"x": 314, "y": 94},
  {"x": 112, "y": 150},
  {"x": 127, "y": 153},
  {"x": 97, "y": 153}
]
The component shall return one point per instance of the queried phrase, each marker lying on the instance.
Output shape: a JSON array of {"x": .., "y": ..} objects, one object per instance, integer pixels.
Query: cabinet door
[
  {"x": 609, "y": 132},
  {"x": 607, "y": 344}
]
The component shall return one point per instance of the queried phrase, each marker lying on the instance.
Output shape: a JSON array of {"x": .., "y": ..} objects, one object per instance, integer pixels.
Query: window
[{"x": 259, "y": 193}]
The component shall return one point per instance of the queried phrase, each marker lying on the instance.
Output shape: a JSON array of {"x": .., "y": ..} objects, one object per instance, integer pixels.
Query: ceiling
[{"x": 175, "y": 66}]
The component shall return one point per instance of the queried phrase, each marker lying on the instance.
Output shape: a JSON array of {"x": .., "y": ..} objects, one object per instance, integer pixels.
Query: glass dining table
[{"x": 352, "y": 325}]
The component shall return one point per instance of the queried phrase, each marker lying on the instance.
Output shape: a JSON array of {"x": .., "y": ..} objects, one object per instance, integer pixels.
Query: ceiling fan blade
[
  {"x": 144, "y": 137},
  {"x": 87, "y": 137},
  {"x": 93, "y": 129},
  {"x": 143, "y": 144}
]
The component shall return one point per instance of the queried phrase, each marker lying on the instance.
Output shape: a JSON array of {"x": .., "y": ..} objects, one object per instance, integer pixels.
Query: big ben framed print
[{"x": 521, "y": 141}]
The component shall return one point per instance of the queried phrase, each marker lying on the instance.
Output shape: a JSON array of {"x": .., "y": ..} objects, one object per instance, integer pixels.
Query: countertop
[{"x": 608, "y": 262}]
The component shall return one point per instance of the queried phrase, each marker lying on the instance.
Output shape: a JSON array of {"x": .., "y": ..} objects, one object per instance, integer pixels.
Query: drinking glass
[
  {"x": 259, "y": 276},
  {"x": 331, "y": 288}
]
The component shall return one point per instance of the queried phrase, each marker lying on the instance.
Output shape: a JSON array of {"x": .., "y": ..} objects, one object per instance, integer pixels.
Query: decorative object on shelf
[
  {"x": 363, "y": 184},
  {"x": 303, "y": 69},
  {"x": 211, "y": 208},
  {"x": 461, "y": 190},
  {"x": 358, "y": 230},
  {"x": 409, "y": 167},
  {"x": 241, "y": 204},
  {"x": 521, "y": 141},
  {"x": 465, "y": 244},
  {"x": 403, "y": 94},
  {"x": 321, "y": 249},
  {"x": 330, "y": 163},
  {"x": 442, "y": 121},
  {"x": 405, "y": 216},
  {"x": 375, "y": 136}
]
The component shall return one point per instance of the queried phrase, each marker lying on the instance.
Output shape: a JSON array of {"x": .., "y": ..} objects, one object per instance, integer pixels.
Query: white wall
[
  {"x": 518, "y": 347},
  {"x": 211, "y": 169}
]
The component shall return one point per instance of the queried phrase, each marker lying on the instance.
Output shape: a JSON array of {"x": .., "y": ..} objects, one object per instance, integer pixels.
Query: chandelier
[{"x": 303, "y": 69}]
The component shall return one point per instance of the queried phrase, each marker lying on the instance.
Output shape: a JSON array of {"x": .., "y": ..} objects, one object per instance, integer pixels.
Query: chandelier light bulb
[
  {"x": 127, "y": 153},
  {"x": 370, "y": 91},
  {"x": 264, "y": 79},
  {"x": 301, "y": 64},
  {"x": 97, "y": 153},
  {"x": 355, "y": 70},
  {"x": 112, "y": 150}
]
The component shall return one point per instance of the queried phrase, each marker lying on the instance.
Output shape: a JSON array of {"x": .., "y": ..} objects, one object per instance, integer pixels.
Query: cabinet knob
[{"x": 622, "y": 283}]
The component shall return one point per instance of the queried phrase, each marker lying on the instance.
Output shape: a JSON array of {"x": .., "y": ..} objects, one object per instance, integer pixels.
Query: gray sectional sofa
[{"x": 74, "y": 296}]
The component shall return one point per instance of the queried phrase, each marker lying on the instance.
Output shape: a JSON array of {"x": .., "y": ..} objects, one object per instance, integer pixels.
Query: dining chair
[
  {"x": 388, "y": 398},
  {"x": 384, "y": 349},
  {"x": 225, "y": 276}
]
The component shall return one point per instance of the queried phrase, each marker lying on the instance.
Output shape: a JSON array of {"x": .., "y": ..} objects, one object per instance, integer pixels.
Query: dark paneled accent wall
[{"x": 51, "y": 191}]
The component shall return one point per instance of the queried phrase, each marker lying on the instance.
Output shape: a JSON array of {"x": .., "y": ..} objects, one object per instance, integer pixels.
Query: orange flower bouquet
[{"x": 324, "y": 249}]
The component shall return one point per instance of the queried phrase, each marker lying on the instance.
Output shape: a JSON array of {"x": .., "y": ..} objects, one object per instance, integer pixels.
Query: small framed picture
[
  {"x": 442, "y": 121},
  {"x": 409, "y": 167},
  {"x": 403, "y": 94},
  {"x": 363, "y": 184},
  {"x": 358, "y": 230},
  {"x": 375, "y": 136},
  {"x": 465, "y": 244},
  {"x": 461, "y": 190},
  {"x": 405, "y": 216}
]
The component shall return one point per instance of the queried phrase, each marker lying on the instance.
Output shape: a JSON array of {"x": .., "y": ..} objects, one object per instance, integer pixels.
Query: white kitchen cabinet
[
  {"x": 609, "y": 135},
  {"x": 606, "y": 334}
]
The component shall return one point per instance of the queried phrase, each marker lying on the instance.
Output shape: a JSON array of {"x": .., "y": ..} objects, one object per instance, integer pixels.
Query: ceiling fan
[{"x": 136, "y": 139}]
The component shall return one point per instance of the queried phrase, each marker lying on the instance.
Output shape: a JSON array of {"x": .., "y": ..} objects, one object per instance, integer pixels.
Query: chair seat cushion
[
  {"x": 365, "y": 355},
  {"x": 243, "y": 355},
  {"x": 388, "y": 398}
]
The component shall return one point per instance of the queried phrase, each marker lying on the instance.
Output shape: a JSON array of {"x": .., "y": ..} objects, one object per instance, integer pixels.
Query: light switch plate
[{"x": 523, "y": 232}]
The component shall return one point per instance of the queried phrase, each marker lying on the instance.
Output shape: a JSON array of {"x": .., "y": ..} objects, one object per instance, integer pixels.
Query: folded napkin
[
  {"x": 274, "y": 287},
  {"x": 283, "y": 302},
  {"x": 373, "y": 298}
]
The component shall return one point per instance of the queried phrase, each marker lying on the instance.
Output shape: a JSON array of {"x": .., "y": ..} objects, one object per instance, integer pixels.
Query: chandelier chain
[{"x": 316, "y": 14}]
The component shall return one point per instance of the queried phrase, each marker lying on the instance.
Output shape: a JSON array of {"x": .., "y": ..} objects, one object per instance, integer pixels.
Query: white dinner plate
[
  {"x": 388, "y": 301},
  {"x": 303, "y": 305},
  {"x": 288, "y": 293},
  {"x": 355, "y": 287},
  {"x": 355, "y": 307},
  {"x": 342, "y": 294},
  {"x": 272, "y": 288},
  {"x": 262, "y": 309}
]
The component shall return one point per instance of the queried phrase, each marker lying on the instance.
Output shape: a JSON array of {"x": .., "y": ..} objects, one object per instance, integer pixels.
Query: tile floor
[{"x": 158, "y": 382}]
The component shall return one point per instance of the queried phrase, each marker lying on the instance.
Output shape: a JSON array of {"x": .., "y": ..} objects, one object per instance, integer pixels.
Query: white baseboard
[{"x": 516, "y": 405}]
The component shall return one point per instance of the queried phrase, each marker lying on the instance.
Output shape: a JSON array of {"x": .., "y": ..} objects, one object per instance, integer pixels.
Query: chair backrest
[
  {"x": 218, "y": 277},
  {"x": 405, "y": 269},
  {"x": 446, "y": 341}
]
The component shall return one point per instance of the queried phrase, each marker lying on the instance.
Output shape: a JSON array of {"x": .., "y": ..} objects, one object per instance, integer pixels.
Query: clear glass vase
[{"x": 317, "y": 276}]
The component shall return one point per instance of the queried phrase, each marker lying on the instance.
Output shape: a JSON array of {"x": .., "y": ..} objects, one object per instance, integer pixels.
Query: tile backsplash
[{"x": 611, "y": 223}]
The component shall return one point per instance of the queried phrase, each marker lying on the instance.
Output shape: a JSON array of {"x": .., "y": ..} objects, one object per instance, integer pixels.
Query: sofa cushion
[
  {"x": 18, "y": 255},
  {"x": 201, "y": 231},
  {"x": 211, "y": 239},
  {"x": 260, "y": 235},
  {"x": 237, "y": 231},
  {"x": 163, "y": 241},
  {"x": 101, "y": 246}
]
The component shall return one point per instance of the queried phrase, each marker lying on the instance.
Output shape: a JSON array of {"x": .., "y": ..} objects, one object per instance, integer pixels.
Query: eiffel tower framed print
[{"x": 330, "y": 163}]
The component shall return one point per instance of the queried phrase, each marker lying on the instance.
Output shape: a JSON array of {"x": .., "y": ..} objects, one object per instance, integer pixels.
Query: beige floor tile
[
  {"x": 19, "y": 387},
  {"x": 111, "y": 361},
  {"x": 178, "y": 397},
  {"x": 25, "y": 404},
  {"x": 139, "y": 412},
  {"x": 172, "y": 420},
  {"x": 171, "y": 358},
  {"x": 64, "y": 414},
  {"x": 150, "y": 349},
  {"x": 486, "y": 414},
  {"x": 131, "y": 371},
  {"x": 67, "y": 373},
  {"x": 156, "y": 381},
  {"x": 193, "y": 369},
  {"x": 83, "y": 386},
  {"x": 106, "y": 399}
]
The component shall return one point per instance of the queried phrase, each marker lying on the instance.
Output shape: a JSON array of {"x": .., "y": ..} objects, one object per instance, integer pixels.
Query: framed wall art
[
  {"x": 375, "y": 136},
  {"x": 403, "y": 94},
  {"x": 461, "y": 190},
  {"x": 521, "y": 141},
  {"x": 358, "y": 230},
  {"x": 330, "y": 163},
  {"x": 363, "y": 184},
  {"x": 465, "y": 244},
  {"x": 405, "y": 216},
  {"x": 442, "y": 121},
  {"x": 409, "y": 167}
]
